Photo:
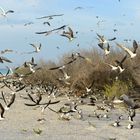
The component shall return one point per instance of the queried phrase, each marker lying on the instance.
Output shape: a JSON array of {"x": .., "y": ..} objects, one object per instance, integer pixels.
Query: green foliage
[{"x": 117, "y": 88}]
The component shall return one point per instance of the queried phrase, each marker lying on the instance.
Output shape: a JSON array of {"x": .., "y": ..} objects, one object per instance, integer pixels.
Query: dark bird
[
  {"x": 46, "y": 22},
  {"x": 1, "y": 112},
  {"x": 11, "y": 100}
]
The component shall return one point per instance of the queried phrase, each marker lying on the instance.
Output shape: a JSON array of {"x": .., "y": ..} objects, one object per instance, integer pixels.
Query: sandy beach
[{"x": 21, "y": 122}]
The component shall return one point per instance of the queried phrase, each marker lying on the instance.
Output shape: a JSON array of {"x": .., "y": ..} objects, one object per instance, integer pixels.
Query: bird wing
[
  {"x": 123, "y": 59},
  {"x": 50, "y": 16},
  {"x": 125, "y": 49},
  {"x": 71, "y": 31},
  {"x": 39, "y": 99},
  {"x": 40, "y": 46},
  {"x": 66, "y": 35},
  {"x": 64, "y": 73},
  {"x": 2, "y": 93},
  {"x": 1, "y": 110},
  {"x": 9, "y": 11},
  {"x": 45, "y": 32},
  {"x": 114, "y": 38},
  {"x": 33, "y": 45},
  {"x": 101, "y": 45},
  {"x": 5, "y": 59},
  {"x": 54, "y": 68},
  {"x": 108, "y": 47},
  {"x": 11, "y": 100},
  {"x": 135, "y": 46},
  {"x": 31, "y": 98},
  {"x": 2, "y": 10}
]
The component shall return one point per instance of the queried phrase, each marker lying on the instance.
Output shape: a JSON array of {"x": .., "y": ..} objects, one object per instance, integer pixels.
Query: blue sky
[{"x": 123, "y": 16}]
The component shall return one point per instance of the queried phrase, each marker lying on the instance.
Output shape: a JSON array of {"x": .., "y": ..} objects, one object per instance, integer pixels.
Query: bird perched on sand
[
  {"x": 131, "y": 53},
  {"x": 4, "y": 13},
  {"x": 69, "y": 34},
  {"x": 131, "y": 114}
]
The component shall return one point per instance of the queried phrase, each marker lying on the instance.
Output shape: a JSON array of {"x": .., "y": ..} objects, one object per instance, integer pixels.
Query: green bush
[{"x": 117, "y": 88}]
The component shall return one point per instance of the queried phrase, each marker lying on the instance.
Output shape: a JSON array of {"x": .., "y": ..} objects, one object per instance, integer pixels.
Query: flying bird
[
  {"x": 50, "y": 16},
  {"x": 6, "y": 51},
  {"x": 29, "y": 23},
  {"x": 113, "y": 68},
  {"x": 4, "y": 13},
  {"x": 46, "y": 22},
  {"x": 50, "y": 31},
  {"x": 78, "y": 8},
  {"x": 120, "y": 64},
  {"x": 11, "y": 100},
  {"x": 106, "y": 49},
  {"x": 1, "y": 112},
  {"x": 4, "y": 59},
  {"x": 128, "y": 51},
  {"x": 37, "y": 48},
  {"x": 69, "y": 34},
  {"x": 66, "y": 76},
  {"x": 103, "y": 40}
]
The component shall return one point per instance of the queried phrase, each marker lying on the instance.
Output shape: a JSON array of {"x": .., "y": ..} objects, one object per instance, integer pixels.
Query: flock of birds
[{"x": 16, "y": 82}]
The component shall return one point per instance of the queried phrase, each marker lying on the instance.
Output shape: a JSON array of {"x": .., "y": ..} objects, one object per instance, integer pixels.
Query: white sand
[{"x": 20, "y": 121}]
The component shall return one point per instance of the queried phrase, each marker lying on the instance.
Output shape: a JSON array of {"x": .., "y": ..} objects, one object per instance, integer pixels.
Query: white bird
[
  {"x": 116, "y": 123},
  {"x": 131, "y": 53},
  {"x": 130, "y": 125},
  {"x": 66, "y": 76},
  {"x": 120, "y": 64},
  {"x": 4, "y": 13},
  {"x": 113, "y": 68},
  {"x": 102, "y": 39},
  {"x": 106, "y": 49},
  {"x": 37, "y": 48}
]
